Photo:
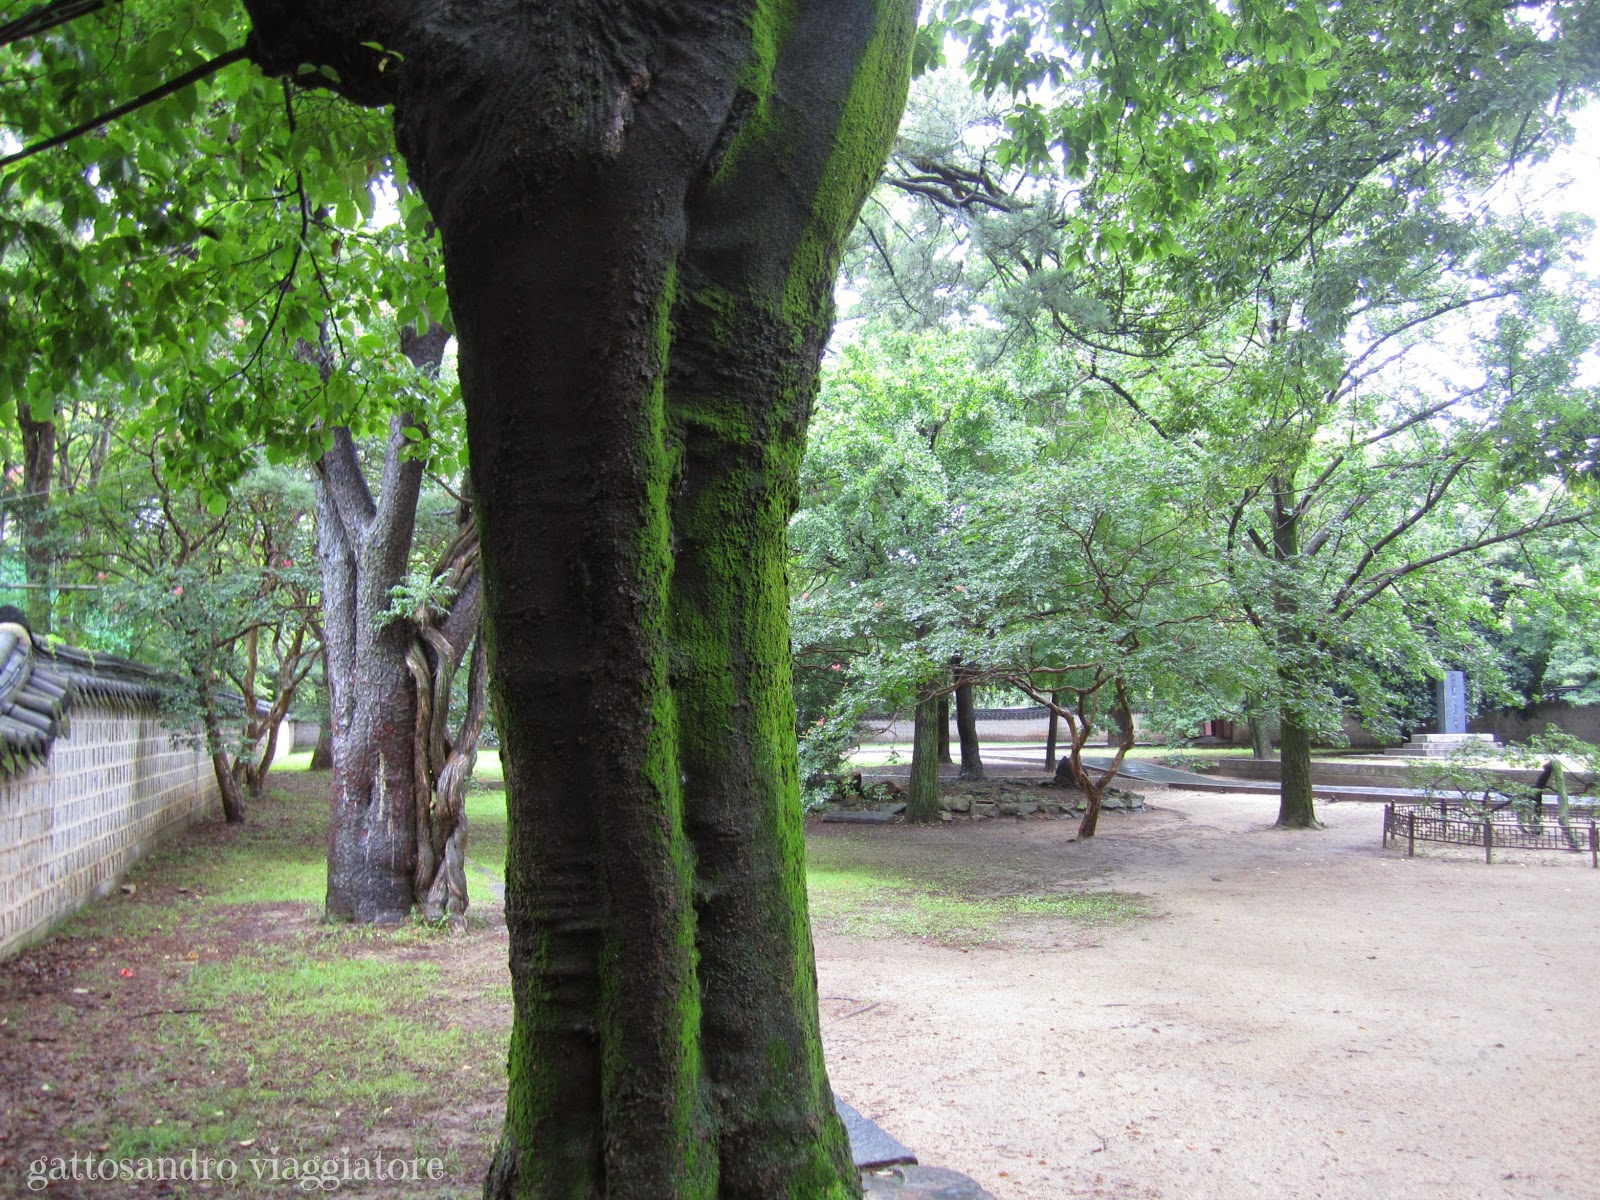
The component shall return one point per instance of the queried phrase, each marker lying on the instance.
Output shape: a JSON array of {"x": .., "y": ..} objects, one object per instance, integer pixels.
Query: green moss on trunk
[
  {"x": 639, "y": 347},
  {"x": 922, "y": 800},
  {"x": 1296, "y": 801}
]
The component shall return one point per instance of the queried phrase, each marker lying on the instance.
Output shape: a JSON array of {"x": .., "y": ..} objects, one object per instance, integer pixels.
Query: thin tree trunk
[
  {"x": 944, "y": 730},
  {"x": 967, "y": 729},
  {"x": 444, "y": 764},
  {"x": 1122, "y": 721},
  {"x": 1052, "y": 733},
  {"x": 1296, "y": 801},
  {"x": 38, "y": 547},
  {"x": 221, "y": 763},
  {"x": 232, "y": 797},
  {"x": 922, "y": 798},
  {"x": 1121, "y": 730}
]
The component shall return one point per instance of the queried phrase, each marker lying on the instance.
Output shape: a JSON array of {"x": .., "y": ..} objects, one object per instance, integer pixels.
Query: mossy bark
[
  {"x": 922, "y": 798},
  {"x": 642, "y": 210},
  {"x": 322, "y": 752}
]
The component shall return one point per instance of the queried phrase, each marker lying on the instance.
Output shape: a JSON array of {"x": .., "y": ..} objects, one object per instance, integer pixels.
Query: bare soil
[
  {"x": 1309, "y": 1015},
  {"x": 1296, "y": 1015}
]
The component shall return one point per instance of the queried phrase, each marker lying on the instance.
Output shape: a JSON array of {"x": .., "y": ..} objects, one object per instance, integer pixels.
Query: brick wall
[{"x": 114, "y": 786}]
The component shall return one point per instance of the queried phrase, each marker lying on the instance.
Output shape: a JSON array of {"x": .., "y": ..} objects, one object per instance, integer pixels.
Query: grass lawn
[
  {"x": 871, "y": 890},
  {"x": 210, "y": 1009}
]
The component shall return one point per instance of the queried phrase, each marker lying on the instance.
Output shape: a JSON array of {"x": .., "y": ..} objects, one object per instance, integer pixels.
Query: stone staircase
[{"x": 1442, "y": 745}]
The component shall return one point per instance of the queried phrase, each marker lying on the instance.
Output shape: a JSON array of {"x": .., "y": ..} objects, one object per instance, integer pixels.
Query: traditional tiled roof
[{"x": 39, "y": 684}]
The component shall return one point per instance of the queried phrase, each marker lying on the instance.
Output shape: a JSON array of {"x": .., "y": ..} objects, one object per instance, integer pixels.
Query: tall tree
[
  {"x": 641, "y": 212},
  {"x": 398, "y": 832}
]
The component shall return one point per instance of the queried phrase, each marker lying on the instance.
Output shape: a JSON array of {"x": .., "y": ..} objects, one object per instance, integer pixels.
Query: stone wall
[
  {"x": 113, "y": 787},
  {"x": 1580, "y": 721}
]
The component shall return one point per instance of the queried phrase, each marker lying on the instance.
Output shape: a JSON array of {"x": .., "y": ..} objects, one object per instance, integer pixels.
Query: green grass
[
  {"x": 299, "y": 760},
  {"x": 854, "y": 892},
  {"x": 488, "y": 770},
  {"x": 486, "y": 827},
  {"x": 298, "y": 1046}
]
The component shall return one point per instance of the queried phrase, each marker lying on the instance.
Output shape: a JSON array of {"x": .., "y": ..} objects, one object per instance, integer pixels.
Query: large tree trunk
[
  {"x": 967, "y": 731},
  {"x": 944, "y": 730},
  {"x": 922, "y": 798},
  {"x": 1296, "y": 801},
  {"x": 389, "y": 676},
  {"x": 371, "y": 714},
  {"x": 642, "y": 211},
  {"x": 322, "y": 752},
  {"x": 38, "y": 546}
]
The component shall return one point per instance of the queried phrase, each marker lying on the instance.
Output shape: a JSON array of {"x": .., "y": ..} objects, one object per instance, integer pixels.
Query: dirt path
[
  {"x": 1310, "y": 1016},
  {"x": 1301, "y": 1015}
]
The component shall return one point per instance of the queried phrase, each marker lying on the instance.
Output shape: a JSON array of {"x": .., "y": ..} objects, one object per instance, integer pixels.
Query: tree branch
[
  {"x": 349, "y": 498},
  {"x": 1389, "y": 578},
  {"x": 1429, "y": 503},
  {"x": 46, "y": 17},
  {"x": 211, "y": 67}
]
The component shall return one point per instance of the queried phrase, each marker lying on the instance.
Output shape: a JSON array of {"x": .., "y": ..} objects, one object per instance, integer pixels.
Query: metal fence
[{"x": 1502, "y": 828}]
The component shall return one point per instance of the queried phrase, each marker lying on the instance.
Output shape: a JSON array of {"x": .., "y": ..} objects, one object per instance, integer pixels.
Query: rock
[
  {"x": 857, "y": 818},
  {"x": 983, "y": 808},
  {"x": 871, "y": 1146},
  {"x": 944, "y": 816},
  {"x": 920, "y": 1183},
  {"x": 960, "y": 804},
  {"x": 1006, "y": 808},
  {"x": 1026, "y": 808}
]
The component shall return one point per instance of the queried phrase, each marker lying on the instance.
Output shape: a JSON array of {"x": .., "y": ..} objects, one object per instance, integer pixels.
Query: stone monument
[
  {"x": 1450, "y": 699},
  {"x": 1450, "y": 721}
]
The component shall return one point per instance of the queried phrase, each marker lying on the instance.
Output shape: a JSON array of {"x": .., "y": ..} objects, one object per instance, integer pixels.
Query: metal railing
[{"x": 1503, "y": 828}]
